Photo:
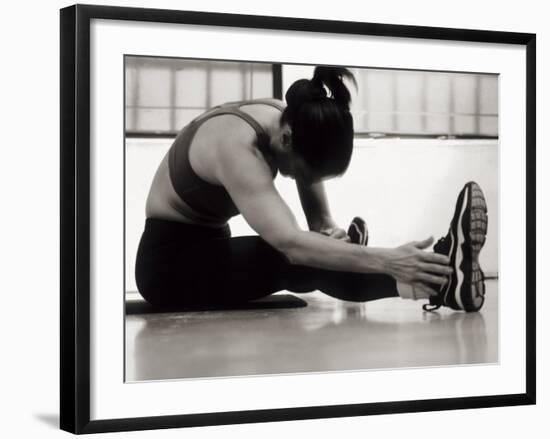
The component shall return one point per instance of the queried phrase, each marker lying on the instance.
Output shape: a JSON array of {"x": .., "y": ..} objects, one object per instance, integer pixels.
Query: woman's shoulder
[
  {"x": 268, "y": 100},
  {"x": 274, "y": 100},
  {"x": 278, "y": 102}
]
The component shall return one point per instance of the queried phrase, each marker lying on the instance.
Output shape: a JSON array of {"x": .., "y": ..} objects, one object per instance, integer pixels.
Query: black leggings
[{"x": 183, "y": 264}]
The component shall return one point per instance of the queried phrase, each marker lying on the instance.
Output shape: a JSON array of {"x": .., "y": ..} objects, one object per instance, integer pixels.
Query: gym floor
[{"x": 327, "y": 335}]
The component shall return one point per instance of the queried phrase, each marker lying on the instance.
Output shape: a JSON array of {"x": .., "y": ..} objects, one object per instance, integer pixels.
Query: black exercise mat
[{"x": 275, "y": 301}]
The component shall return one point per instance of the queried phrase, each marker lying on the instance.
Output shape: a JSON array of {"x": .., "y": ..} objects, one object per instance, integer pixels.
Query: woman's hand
[
  {"x": 412, "y": 265},
  {"x": 335, "y": 232}
]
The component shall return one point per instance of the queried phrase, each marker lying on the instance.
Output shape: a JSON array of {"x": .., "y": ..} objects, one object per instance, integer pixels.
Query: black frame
[{"x": 75, "y": 217}]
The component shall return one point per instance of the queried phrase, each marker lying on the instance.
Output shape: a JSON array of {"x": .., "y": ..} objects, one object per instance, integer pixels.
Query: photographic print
[
  {"x": 304, "y": 218},
  {"x": 287, "y": 218}
]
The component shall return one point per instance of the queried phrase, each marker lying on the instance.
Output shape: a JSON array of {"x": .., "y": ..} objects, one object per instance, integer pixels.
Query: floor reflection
[{"x": 328, "y": 335}]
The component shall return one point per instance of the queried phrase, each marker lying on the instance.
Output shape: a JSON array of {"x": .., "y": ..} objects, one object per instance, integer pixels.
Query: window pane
[
  {"x": 227, "y": 84},
  {"x": 191, "y": 86},
  {"x": 409, "y": 101},
  {"x": 465, "y": 93},
  {"x": 131, "y": 86},
  {"x": 130, "y": 119},
  {"x": 379, "y": 91},
  {"x": 464, "y": 125},
  {"x": 380, "y": 122},
  {"x": 438, "y": 92},
  {"x": 410, "y": 123},
  {"x": 409, "y": 91},
  {"x": 262, "y": 81},
  {"x": 438, "y": 124},
  {"x": 488, "y": 95},
  {"x": 488, "y": 125},
  {"x": 153, "y": 120},
  {"x": 154, "y": 87}
]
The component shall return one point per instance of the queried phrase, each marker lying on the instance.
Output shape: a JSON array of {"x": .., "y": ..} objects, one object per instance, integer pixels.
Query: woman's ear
[{"x": 286, "y": 137}]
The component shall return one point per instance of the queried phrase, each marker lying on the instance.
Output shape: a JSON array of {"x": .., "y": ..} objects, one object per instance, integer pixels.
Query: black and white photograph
[
  {"x": 298, "y": 219},
  {"x": 275, "y": 219}
]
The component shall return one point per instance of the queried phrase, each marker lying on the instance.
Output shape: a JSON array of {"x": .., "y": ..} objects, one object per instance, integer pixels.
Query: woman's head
[{"x": 318, "y": 125}]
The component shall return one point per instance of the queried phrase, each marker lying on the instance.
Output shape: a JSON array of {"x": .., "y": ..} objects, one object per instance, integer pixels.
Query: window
[
  {"x": 164, "y": 94},
  {"x": 417, "y": 103}
]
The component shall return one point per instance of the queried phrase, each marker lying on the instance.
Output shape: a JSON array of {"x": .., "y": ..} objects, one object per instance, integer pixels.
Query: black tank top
[{"x": 210, "y": 203}]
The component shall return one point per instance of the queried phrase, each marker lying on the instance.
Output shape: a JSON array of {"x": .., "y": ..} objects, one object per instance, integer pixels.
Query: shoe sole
[
  {"x": 358, "y": 231},
  {"x": 466, "y": 289}
]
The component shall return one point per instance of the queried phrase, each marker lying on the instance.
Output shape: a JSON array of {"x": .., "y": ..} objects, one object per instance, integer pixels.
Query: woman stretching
[{"x": 223, "y": 164}]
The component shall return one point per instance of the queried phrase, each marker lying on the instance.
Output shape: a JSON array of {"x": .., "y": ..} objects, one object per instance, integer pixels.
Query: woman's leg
[
  {"x": 177, "y": 268},
  {"x": 184, "y": 265},
  {"x": 350, "y": 286},
  {"x": 247, "y": 268}
]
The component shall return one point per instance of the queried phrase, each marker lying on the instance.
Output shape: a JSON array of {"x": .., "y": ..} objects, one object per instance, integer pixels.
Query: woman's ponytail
[
  {"x": 311, "y": 90},
  {"x": 332, "y": 77},
  {"x": 321, "y": 122}
]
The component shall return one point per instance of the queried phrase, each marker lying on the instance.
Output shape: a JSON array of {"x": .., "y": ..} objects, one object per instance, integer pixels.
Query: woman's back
[{"x": 185, "y": 187}]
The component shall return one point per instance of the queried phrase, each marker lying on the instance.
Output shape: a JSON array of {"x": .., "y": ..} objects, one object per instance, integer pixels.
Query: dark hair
[{"x": 321, "y": 124}]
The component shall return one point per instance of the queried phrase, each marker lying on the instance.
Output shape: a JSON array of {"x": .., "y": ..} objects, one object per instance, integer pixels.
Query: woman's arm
[
  {"x": 314, "y": 202},
  {"x": 248, "y": 180}
]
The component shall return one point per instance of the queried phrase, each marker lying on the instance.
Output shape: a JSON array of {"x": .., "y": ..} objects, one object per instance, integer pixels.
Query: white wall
[{"x": 405, "y": 190}]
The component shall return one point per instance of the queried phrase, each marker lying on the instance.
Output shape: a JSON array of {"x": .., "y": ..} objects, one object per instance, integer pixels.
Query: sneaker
[
  {"x": 358, "y": 231},
  {"x": 465, "y": 289}
]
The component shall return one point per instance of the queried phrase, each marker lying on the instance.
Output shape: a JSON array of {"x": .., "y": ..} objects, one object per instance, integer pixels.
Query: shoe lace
[{"x": 428, "y": 307}]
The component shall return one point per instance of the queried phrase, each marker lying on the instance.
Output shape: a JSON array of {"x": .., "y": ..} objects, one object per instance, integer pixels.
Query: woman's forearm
[
  {"x": 314, "y": 202},
  {"x": 316, "y": 250},
  {"x": 409, "y": 263}
]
